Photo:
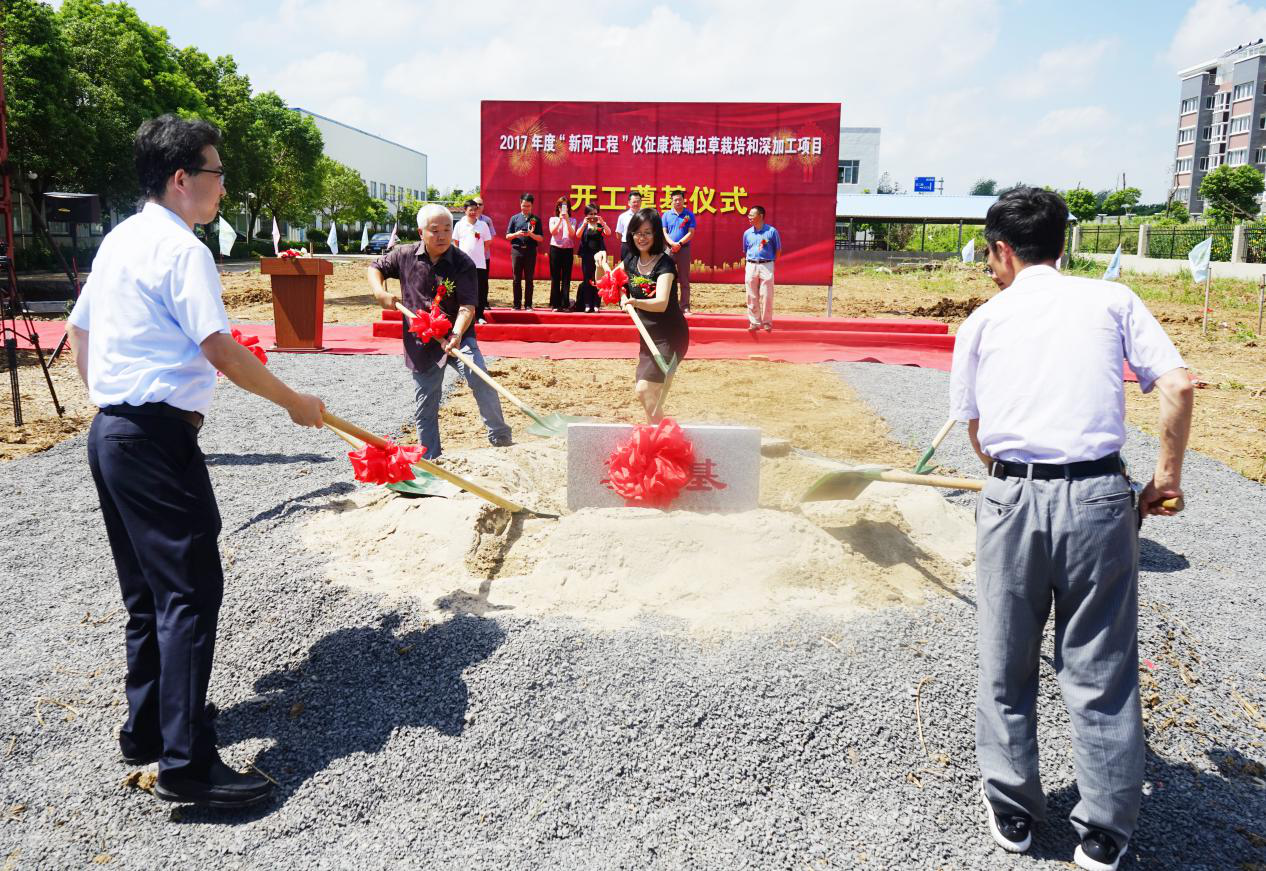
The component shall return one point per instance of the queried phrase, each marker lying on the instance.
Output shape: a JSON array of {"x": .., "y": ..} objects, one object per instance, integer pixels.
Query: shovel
[
  {"x": 544, "y": 425},
  {"x": 349, "y": 432},
  {"x": 922, "y": 467},
  {"x": 669, "y": 369},
  {"x": 849, "y": 482}
]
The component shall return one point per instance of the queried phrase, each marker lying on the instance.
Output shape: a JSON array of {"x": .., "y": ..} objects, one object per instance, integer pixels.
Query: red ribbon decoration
[
  {"x": 250, "y": 343},
  {"x": 611, "y": 285},
  {"x": 389, "y": 465},
  {"x": 651, "y": 469},
  {"x": 432, "y": 325}
]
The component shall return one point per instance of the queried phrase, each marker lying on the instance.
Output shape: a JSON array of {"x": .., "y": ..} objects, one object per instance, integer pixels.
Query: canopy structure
[{"x": 912, "y": 208}]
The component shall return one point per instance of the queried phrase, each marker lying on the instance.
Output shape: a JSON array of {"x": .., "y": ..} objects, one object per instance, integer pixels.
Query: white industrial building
[
  {"x": 859, "y": 161},
  {"x": 392, "y": 172}
]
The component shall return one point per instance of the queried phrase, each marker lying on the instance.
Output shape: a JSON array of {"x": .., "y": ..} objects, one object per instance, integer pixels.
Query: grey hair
[{"x": 432, "y": 210}]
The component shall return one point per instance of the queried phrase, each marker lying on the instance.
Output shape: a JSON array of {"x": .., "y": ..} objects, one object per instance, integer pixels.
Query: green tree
[
  {"x": 227, "y": 94},
  {"x": 40, "y": 95},
  {"x": 342, "y": 195},
  {"x": 1081, "y": 203},
  {"x": 124, "y": 71},
  {"x": 1177, "y": 211},
  {"x": 281, "y": 166},
  {"x": 1230, "y": 193},
  {"x": 1120, "y": 202},
  {"x": 984, "y": 187}
]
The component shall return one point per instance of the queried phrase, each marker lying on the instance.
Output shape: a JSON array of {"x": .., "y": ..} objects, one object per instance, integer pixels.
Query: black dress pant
[
  {"x": 587, "y": 293},
  {"x": 560, "y": 260},
  {"x": 523, "y": 268},
  {"x": 162, "y": 522},
  {"x": 481, "y": 277}
]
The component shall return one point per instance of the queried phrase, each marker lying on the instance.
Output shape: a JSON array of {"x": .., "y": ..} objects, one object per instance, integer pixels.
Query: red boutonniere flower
[
  {"x": 642, "y": 287},
  {"x": 375, "y": 465},
  {"x": 651, "y": 469},
  {"x": 762, "y": 243},
  {"x": 443, "y": 287},
  {"x": 477, "y": 236},
  {"x": 250, "y": 343},
  {"x": 430, "y": 325},
  {"x": 611, "y": 285}
]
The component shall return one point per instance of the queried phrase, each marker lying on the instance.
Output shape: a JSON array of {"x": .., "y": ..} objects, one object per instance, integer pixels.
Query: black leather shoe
[
  {"x": 133, "y": 754},
  {"x": 223, "y": 788}
]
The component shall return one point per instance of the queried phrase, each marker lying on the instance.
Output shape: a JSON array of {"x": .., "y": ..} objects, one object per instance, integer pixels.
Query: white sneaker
[{"x": 1012, "y": 832}]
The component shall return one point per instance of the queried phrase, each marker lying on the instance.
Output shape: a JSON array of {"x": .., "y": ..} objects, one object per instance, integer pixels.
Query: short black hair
[
  {"x": 647, "y": 216},
  {"x": 678, "y": 193},
  {"x": 633, "y": 194},
  {"x": 1031, "y": 220},
  {"x": 469, "y": 203},
  {"x": 760, "y": 209},
  {"x": 166, "y": 144},
  {"x": 527, "y": 198},
  {"x": 591, "y": 209}
]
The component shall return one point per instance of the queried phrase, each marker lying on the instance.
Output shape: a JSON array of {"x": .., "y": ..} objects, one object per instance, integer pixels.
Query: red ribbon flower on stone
[
  {"x": 430, "y": 325},
  {"x": 653, "y": 466},
  {"x": 611, "y": 285},
  {"x": 385, "y": 465},
  {"x": 250, "y": 343}
]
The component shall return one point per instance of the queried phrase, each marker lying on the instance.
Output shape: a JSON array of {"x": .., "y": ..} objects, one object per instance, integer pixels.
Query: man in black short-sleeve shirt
[
  {"x": 420, "y": 268},
  {"x": 525, "y": 233}
]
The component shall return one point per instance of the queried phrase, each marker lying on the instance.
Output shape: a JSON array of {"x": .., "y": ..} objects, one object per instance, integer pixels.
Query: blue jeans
[{"x": 428, "y": 387}]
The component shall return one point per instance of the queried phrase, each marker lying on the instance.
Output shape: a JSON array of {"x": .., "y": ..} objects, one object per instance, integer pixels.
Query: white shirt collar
[
  {"x": 1035, "y": 271},
  {"x": 153, "y": 208}
]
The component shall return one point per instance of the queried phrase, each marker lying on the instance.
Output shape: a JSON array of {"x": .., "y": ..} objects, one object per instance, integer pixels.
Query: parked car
[{"x": 378, "y": 243}]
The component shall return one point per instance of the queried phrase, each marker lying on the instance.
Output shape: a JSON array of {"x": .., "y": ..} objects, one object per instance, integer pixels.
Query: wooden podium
[{"x": 298, "y": 301}]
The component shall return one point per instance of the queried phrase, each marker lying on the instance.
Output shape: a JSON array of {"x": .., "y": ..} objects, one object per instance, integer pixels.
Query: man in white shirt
[
  {"x": 473, "y": 235},
  {"x": 622, "y": 224},
  {"x": 148, "y": 333},
  {"x": 1037, "y": 375}
]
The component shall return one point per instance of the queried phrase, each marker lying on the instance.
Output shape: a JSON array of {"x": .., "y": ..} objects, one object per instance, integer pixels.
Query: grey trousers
[
  {"x": 682, "y": 259},
  {"x": 1075, "y": 542}
]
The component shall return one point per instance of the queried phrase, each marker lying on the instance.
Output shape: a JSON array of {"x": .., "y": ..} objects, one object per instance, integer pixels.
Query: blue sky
[{"x": 1018, "y": 90}]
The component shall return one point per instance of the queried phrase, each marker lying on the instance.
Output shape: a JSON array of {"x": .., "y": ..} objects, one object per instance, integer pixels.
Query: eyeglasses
[
  {"x": 646, "y": 234},
  {"x": 219, "y": 172}
]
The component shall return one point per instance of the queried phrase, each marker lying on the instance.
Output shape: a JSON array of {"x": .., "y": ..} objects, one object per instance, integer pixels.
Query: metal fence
[
  {"x": 1176, "y": 242},
  {"x": 1104, "y": 239}
]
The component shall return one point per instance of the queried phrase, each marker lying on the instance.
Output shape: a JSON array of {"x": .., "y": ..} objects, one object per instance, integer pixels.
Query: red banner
[{"x": 727, "y": 157}]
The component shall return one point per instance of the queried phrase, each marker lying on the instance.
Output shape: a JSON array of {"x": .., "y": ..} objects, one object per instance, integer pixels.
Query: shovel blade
[
  {"x": 424, "y": 484},
  {"x": 841, "y": 484},
  {"x": 555, "y": 424}
]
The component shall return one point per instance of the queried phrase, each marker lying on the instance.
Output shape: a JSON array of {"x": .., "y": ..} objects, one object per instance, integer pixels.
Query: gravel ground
[{"x": 494, "y": 741}]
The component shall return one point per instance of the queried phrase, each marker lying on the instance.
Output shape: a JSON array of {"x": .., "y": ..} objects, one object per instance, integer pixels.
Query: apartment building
[{"x": 1221, "y": 119}]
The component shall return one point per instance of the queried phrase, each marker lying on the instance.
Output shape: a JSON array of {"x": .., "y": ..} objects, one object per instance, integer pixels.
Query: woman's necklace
[{"x": 645, "y": 267}]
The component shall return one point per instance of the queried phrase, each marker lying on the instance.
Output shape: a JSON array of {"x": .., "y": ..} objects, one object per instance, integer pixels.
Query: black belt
[
  {"x": 1047, "y": 471},
  {"x": 156, "y": 409},
  {"x": 760, "y": 261}
]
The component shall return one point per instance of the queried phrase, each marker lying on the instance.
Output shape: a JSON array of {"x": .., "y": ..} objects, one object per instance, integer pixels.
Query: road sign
[{"x": 925, "y": 184}]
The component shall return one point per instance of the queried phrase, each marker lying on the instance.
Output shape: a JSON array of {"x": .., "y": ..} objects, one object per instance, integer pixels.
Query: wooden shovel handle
[
  {"x": 898, "y": 477},
  {"x": 345, "y": 429},
  {"x": 945, "y": 430},
  {"x": 646, "y": 337}
]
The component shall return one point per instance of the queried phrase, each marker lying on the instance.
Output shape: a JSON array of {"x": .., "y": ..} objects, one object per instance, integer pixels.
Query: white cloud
[
  {"x": 1060, "y": 70},
  {"x": 1210, "y": 27}
]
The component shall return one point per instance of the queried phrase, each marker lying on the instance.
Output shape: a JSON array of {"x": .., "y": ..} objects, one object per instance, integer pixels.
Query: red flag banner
[{"x": 726, "y": 157}]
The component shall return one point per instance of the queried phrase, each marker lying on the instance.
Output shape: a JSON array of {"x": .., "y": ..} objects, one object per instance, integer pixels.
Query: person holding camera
[
  {"x": 562, "y": 251},
  {"x": 593, "y": 234}
]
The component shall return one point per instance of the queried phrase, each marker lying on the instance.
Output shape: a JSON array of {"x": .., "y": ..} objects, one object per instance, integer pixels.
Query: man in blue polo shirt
[
  {"x": 761, "y": 244},
  {"x": 679, "y": 229}
]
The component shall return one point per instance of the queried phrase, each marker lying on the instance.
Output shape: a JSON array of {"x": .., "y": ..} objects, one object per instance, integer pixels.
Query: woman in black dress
[
  {"x": 656, "y": 304},
  {"x": 593, "y": 234}
]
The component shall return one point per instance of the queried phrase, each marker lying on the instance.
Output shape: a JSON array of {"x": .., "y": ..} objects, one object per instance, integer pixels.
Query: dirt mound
[
  {"x": 949, "y": 308},
  {"x": 610, "y": 567}
]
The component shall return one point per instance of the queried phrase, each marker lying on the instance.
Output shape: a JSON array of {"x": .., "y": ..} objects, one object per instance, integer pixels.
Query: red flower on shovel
[
  {"x": 430, "y": 325},
  {"x": 387, "y": 465},
  {"x": 651, "y": 469},
  {"x": 611, "y": 285},
  {"x": 250, "y": 343}
]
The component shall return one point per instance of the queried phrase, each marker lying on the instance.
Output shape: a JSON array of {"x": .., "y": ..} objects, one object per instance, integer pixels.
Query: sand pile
[{"x": 895, "y": 545}]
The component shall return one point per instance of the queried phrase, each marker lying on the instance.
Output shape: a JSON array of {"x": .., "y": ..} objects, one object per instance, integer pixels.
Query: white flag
[
  {"x": 276, "y": 238},
  {"x": 332, "y": 239},
  {"x": 1198, "y": 257},
  {"x": 227, "y": 237},
  {"x": 364, "y": 237},
  {"x": 395, "y": 238},
  {"x": 969, "y": 251},
  {"x": 1113, "y": 272}
]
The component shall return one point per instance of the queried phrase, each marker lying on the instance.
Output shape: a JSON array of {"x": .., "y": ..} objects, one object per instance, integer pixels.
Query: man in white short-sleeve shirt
[
  {"x": 1037, "y": 375},
  {"x": 148, "y": 334},
  {"x": 622, "y": 223}
]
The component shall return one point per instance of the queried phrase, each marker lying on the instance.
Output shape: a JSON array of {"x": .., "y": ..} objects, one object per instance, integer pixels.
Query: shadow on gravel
[
  {"x": 886, "y": 544},
  {"x": 354, "y": 688},
  {"x": 264, "y": 459},
  {"x": 290, "y": 506},
  {"x": 1193, "y": 818},
  {"x": 1154, "y": 557}
]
